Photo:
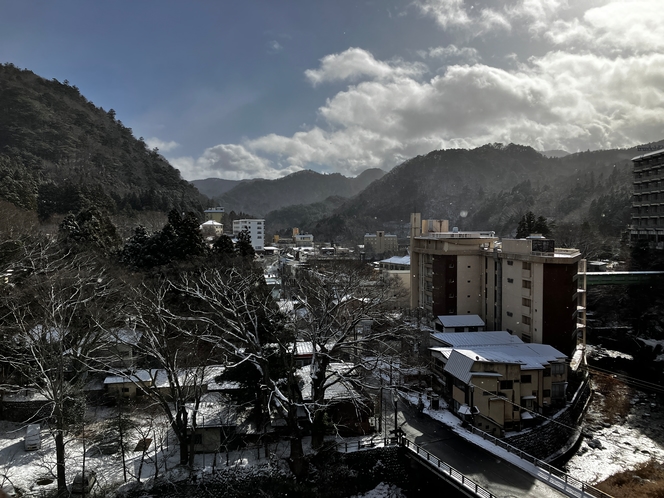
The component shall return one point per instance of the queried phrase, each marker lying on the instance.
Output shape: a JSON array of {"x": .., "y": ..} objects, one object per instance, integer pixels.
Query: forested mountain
[
  {"x": 215, "y": 187},
  {"x": 259, "y": 197},
  {"x": 490, "y": 188},
  {"x": 60, "y": 153}
]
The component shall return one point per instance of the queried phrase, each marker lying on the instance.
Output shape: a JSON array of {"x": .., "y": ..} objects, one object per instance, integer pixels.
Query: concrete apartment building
[
  {"x": 648, "y": 199},
  {"x": 380, "y": 243},
  {"x": 256, "y": 229},
  {"x": 525, "y": 286},
  {"x": 214, "y": 214}
]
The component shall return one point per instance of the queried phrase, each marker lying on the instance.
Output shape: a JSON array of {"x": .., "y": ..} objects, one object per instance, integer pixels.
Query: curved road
[{"x": 499, "y": 477}]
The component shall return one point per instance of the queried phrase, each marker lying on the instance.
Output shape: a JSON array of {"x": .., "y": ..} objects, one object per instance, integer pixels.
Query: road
[{"x": 497, "y": 476}]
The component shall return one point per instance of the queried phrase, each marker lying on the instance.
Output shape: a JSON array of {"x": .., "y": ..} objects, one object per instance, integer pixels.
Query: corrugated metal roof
[
  {"x": 461, "y": 339},
  {"x": 461, "y": 321},
  {"x": 459, "y": 366}
]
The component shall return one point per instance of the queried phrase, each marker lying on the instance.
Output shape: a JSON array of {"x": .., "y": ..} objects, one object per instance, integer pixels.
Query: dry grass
[
  {"x": 647, "y": 481},
  {"x": 616, "y": 397}
]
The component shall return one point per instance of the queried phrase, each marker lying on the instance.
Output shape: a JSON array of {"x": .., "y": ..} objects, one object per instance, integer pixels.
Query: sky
[{"x": 265, "y": 88}]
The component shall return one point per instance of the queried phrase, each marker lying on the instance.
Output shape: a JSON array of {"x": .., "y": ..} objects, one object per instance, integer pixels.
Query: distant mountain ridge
[
  {"x": 260, "y": 197},
  {"x": 490, "y": 188},
  {"x": 215, "y": 187},
  {"x": 61, "y": 153}
]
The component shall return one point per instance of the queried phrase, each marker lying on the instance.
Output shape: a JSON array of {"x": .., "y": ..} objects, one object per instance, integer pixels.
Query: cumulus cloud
[
  {"x": 460, "y": 16},
  {"x": 355, "y": 63},
  {"x": 585, "y": 92},
  {"x": 229, "y": 161},
  {"x": 153, "y": 142}
]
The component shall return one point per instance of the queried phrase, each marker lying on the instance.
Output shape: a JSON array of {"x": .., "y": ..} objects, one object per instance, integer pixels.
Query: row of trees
[{"x": 65, "y": 301}]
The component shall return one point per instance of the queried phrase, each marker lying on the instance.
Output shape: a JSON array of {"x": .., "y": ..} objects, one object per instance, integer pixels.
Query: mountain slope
[
  {"x": 259, "y": 197},
  {"x": 214, "y": 187},
  {"x": 60, "y": 153},
  {"x": 490, "y": 188}
]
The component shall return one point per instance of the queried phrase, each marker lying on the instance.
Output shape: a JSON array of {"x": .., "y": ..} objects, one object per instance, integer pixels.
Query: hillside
[
  {"x": 259, "y": 197},
  {"x": 214, "y": 187},
  {"x": 491, "y": 187},
  {"x": 60, "y": 153}
]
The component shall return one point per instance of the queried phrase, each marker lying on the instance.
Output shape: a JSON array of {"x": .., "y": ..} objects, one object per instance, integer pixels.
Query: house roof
[
  {"x": 527, "y": 356},
  {"x": 338, "y": 387},
  {"x": 397, "y": 260},
  {"x": 460, "y": 339},
  {"x": 461, "y": 321}
]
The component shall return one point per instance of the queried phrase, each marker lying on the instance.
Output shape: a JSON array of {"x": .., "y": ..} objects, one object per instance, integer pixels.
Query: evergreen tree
[
  {"x": 243, "y": 246},
  {"x": 529, "y": 224}
]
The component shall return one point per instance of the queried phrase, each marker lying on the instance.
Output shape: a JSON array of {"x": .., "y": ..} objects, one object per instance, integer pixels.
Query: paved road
[{"x": 499, "y": 477}]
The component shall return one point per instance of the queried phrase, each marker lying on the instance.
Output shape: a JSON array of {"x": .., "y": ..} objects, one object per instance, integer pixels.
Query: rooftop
[{"x": 461, "y": 321}]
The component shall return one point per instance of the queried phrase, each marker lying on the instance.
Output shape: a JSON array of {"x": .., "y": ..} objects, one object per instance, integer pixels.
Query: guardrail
[
  {"x": 452, "y": 475},
  {"x": 569, "y": 480}
]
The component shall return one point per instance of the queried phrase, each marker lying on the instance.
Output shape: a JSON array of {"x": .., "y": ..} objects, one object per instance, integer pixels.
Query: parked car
[
  {"x": 83, "y": 484},
  {"x": 32, "y": 437}
]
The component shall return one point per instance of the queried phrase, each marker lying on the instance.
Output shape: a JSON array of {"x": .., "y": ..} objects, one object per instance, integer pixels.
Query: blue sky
[{"x": 265, "y": 88}]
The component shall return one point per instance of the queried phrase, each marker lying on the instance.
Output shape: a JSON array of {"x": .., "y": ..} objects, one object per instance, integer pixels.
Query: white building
[{"x": 256, "y": 229}]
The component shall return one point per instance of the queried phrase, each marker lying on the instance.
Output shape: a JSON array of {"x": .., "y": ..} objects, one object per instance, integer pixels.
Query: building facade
[
  {"x": 380, "y": 243},
  {"x": 525, "y": 286},
  {"x": 648, "y": 199},
  {"x": 214, "y": 214},
  {"x": 256, "y": 229}
]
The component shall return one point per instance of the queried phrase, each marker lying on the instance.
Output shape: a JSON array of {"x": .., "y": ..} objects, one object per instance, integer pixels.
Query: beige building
[
  {"x": 212, "y": 228},
  {"x": 497, "y": 382},
  {"x": 525, "y": 286},
  {"x": 380, "y": 243},
  {"x": 648, "y": 199},
  {"x": 214, "y": 214}
]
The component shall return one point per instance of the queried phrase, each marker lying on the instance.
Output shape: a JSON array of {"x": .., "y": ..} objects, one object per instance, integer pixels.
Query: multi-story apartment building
[
  {"x": 380, "y": 243},
  {"x": 256, "y": 229},
  {"x": 648, "y": 199},
  {"x": 525, "y": 286},
  {"x": 214, "y": 214}
]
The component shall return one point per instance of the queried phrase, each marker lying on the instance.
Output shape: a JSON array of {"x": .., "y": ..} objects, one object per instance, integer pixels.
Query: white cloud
[
  {"x": 592, "y": 89},
  {"x": 460, "y": 16},
  {"x": 228, "y": 161},
  {"x": 153, "y": 142},
  {"x": 356, "y": 63},
  {"x": 273, "y": 46}
]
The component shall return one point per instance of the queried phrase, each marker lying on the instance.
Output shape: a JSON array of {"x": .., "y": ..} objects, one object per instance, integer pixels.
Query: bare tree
[{"x": 51, "y": 312}]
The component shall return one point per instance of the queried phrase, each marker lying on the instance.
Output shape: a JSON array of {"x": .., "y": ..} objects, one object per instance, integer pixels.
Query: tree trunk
[
  {"x": 60, "y": 461},
  {"x": 296, "y": 461},
  {"x": 318, "y": 395}
]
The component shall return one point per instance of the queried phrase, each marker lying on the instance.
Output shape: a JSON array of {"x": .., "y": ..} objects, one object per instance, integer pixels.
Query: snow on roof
[
  {"x": 159, "y": 377},
  {"x": 397, "y": 260},
  {"x": 528, "y": 356},
  {"x": 459, "y": 339},
  {"x": 461, "y": 321},
  {"x": 212, "y": 223},
  {"x": 338, "y": 388},
  {"x": 657, "y": 152}
]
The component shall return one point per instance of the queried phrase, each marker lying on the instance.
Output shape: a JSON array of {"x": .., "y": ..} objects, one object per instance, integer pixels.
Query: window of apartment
[
  {"x": 525, "y": 302},
  {"x": 526, "y": 379},
  {"x": 509, "y": 313},
  {"x": 125, "y": 389},
  {"x": 546, "y": 393},
  {"x": 506, "y": 384},
  {"x": 526, "y": 265},
  {"x": 526, "y": 284},
  {"x": 510, "y": 280},
  {"x": 510, "y": 263},
  {"x": 558, "y": 368},
  {"x": 547, "y": 372},
  {"x": 558, "y": 390},
  {"x": 526, "y": 320}
]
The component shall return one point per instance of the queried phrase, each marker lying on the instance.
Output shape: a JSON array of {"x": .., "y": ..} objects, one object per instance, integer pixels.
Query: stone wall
[{"x": 546, "y": 441}]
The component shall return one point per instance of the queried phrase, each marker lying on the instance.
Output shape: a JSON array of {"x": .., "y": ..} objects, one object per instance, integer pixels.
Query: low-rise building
[
  {"x": 502, "y": 384},
  {"x": 212, "y": 228},
  {"x": 380, "y": 243},
  {"x": 214, "y": 214},
  {"x": 459, "y": 323}
]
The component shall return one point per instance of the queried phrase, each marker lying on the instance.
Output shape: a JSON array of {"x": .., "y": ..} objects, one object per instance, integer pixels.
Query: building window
[
  {"x": 526, "y": 379},
  {"x": 510, "y": 280},
  {"x": 506, "y": 384},
  {"x": 509, "y": 313},
  {"x": 125, "y": 389},
  {"x": 525, "y": 302},
  {"x": 510, "y": 263},
  {"x": 558, "y": 390},
  {"x": 526, "y": 265},
  {"x": 526, "y": 284},
  {"x": 547, "y": 372},
  {"x": 526, "y": 320},
  {"x": 557, "y": 368}
]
